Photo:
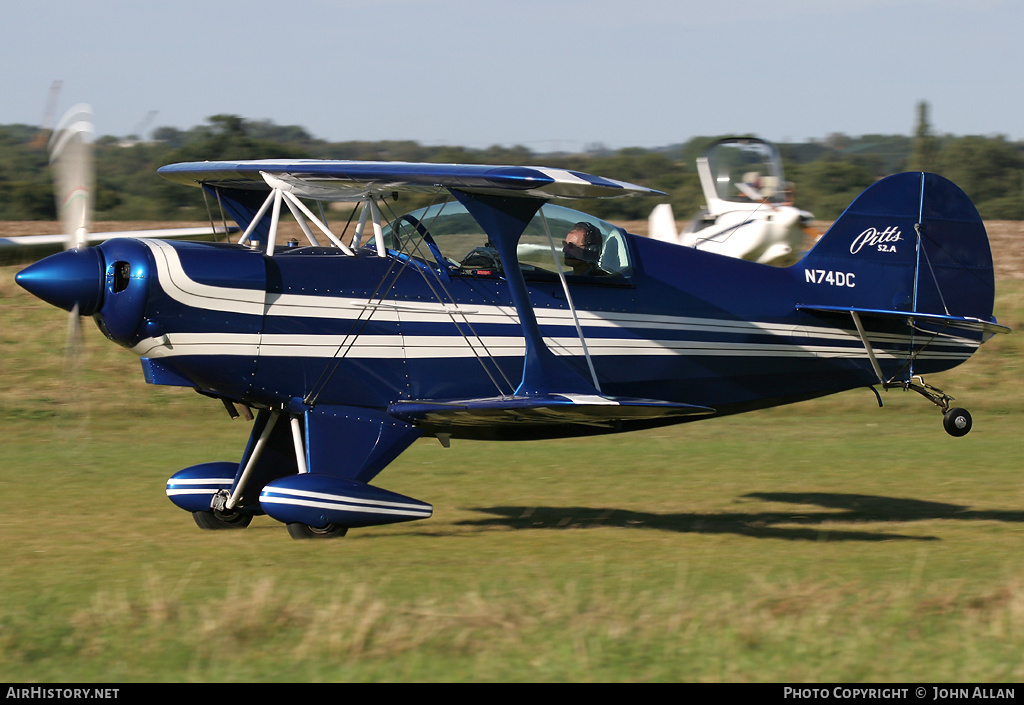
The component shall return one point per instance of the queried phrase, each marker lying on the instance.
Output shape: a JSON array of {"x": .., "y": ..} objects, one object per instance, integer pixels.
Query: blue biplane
[{"x": 494, "y": 314}]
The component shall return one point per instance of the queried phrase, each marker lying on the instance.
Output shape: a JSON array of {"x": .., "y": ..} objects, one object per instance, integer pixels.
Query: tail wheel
[
  {"x": 216, "y": 520},
  {"x": 305, "y": 531},
  {"x": 957, "y": 422}
]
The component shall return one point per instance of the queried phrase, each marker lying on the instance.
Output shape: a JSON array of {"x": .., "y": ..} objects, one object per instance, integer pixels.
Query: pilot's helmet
[{"x": 590, "y": 251}]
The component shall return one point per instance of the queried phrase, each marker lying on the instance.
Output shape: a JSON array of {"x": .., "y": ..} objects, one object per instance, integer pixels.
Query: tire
[
  {"x": 957, "y": 422},
  {"x": 305, "y": 531},
  {"x": 216, "y": 520}
]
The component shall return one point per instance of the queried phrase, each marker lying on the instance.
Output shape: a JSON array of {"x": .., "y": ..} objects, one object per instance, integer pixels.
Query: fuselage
[{"x": 312, "y": 325}]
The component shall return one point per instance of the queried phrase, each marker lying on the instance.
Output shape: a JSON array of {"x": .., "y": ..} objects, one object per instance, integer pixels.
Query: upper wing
[{"x": 353, "y": 180}]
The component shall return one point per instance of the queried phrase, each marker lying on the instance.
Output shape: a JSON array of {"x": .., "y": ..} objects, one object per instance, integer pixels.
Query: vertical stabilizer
[
  {"x": 661, "y": 224},
  {"x": 912, "y": 242}
]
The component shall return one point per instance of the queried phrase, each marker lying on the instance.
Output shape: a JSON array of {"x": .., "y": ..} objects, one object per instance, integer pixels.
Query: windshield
[
  {"x": 746, "y": 170},
  {"x": 584, "y": 246}
]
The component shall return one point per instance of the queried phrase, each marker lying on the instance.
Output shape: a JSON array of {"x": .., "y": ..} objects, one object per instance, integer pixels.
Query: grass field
[{"x": 828, "y": 541}]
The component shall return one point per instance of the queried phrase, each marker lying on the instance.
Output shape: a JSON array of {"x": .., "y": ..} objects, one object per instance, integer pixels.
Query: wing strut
[
  {"x": 280, "y": 191},
  {"x": 867, "y": 347},
  {"x": 568, "y": 298},
  {"x": 300, "y": 448}
]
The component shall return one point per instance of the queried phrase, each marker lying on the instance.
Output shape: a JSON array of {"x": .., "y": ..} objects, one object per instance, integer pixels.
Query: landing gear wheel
[
  {"x": 305, "y": 531},
  {"x": 216, "y": 520},
  {"x": 957, "y": 422}
]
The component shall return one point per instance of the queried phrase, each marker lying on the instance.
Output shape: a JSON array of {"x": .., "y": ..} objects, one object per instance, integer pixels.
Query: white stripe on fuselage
[
  {"x": 177, "y": 284},
  {"x": 446, "y": 346}
]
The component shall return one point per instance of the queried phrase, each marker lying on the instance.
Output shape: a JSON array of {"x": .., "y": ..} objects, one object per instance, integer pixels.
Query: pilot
[
  {"x": 582, "y": 249},
  {"x": 750, "y": 187}
]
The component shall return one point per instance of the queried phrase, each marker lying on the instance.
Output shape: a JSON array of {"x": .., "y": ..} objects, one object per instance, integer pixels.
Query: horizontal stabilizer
[
  {"x": 912, "y": 319},
  {"x": 539, "y": 409}
]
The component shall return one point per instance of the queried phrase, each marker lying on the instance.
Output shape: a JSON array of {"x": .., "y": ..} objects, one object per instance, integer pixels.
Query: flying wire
[{"x": 452, "y": 314}]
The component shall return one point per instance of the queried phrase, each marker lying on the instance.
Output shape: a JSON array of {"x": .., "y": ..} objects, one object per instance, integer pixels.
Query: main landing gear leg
[{"x": 955, "y": 420}]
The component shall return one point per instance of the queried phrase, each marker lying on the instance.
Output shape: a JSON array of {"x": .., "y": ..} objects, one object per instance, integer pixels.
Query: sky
[{"x": 545, "y": 74}]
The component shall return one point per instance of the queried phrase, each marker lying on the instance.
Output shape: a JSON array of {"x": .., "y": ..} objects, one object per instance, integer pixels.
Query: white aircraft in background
[
  {"x": 749, "y": 212},
  {"x": 71, "y": 161}
]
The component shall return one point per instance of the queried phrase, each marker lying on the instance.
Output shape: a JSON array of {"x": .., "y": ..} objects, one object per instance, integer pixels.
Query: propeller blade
[
  {"x": 73, "y": 342},
  {"x": 71, "y": 162}
]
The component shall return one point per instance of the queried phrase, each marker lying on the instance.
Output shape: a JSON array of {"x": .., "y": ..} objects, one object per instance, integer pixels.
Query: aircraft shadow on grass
[{"x": 792, "y": 525}]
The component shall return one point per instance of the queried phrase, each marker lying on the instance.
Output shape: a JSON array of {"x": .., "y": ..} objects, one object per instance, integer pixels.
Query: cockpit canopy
[
  {"x": 448, "y": 235},
  {"x": 745, "y": 170}
]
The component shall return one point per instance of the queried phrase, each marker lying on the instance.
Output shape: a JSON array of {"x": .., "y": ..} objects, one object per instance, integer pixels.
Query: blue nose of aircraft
[{"x": 67, "y": 278}]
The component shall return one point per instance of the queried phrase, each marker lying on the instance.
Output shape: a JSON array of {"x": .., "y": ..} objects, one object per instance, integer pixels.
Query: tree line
[{"x": 827, "y": 173}]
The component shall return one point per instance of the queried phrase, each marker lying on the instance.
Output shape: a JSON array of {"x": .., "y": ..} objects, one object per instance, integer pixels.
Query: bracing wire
[
  {"x": 408, "y": 247},
  {"x": 453, "y": 313}
]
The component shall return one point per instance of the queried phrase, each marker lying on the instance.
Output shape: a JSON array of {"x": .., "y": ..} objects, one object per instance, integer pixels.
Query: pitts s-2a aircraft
[{"x": 498, "y": 315}]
